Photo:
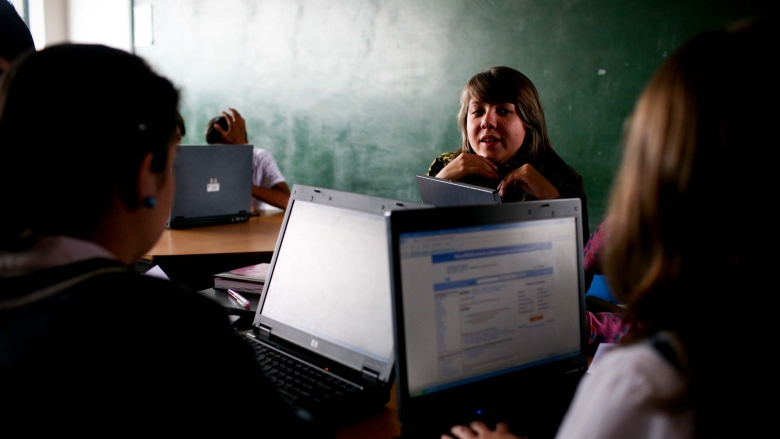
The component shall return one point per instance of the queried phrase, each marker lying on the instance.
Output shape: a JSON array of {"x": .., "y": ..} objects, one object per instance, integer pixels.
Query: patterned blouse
[{"x": 565, "y": 178}]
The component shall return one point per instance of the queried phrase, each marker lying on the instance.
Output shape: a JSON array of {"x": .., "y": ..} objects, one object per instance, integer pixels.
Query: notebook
[
  {"x": 489, "y": 315},
  {"x": 213, "y": 185},
  {"x": 326, "y": 304},
  {"x": 441, "y": 192}
]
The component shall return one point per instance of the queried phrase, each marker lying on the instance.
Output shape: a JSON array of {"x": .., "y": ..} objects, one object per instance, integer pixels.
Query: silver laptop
[
  {"x": 213, "y": 185},
  {"x": 489, "y": 315},
  {"x": 323, "y": 328},
  {"x": 441, "y": 192}
]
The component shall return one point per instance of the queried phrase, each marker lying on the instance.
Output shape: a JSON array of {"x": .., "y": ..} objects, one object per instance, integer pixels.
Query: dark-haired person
[
  {"x": 87, "y": 346},
  {"x": 268, "y": 184},
  {"x": 15, "y": 37},
  {"x": 689, "y": 146}
]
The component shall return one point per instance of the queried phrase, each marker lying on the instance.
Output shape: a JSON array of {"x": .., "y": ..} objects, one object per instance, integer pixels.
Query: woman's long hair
[
  {"x": 684, "y": 228},
  {"x": 504, "y": 84}
]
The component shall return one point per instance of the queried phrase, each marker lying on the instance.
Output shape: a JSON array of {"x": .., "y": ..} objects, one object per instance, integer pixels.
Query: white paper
[{"x": 157, "y": 272}]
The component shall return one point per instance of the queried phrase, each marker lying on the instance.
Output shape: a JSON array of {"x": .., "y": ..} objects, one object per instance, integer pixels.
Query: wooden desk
[
  {"x": 191, "y": 256},
  {"x": 258, "y": 235}
]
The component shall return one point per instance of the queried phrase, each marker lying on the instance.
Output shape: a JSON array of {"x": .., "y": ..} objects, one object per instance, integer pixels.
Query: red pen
[{"x": 239, "y": 298}]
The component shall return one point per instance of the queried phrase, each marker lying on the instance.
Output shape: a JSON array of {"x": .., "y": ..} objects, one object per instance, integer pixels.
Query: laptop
[
  {"x": 442, "y": 192},
  {"x": 489, "y": 315},
  {"x": 213, "y": 185},
  {"x": 323, "y": 328}
]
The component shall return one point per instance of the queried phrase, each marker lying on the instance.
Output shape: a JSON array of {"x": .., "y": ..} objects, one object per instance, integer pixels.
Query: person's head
[
  {"x": 107, "y": 143},
  {"x": 15, "y": 37},
  {"x": 181, "y": 130},
  {"x": 500, "y": 112},
  {"x": 685, "y": 224},
  {"x": 212, "y": 135}
]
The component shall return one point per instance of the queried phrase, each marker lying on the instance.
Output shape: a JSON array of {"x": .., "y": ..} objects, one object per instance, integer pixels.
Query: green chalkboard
[{"x": 361, "y": 95}]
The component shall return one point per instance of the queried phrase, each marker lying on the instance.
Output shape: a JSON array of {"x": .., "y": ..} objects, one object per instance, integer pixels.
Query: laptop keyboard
[{"x": 300, "y": 383}]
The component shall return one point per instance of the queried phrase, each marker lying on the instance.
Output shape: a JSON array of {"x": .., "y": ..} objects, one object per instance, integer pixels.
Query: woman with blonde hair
[{"x": 687, "y": 240}]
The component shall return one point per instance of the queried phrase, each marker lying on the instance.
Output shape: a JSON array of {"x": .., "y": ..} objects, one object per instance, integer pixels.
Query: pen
[{"x": 239, "y": 298}]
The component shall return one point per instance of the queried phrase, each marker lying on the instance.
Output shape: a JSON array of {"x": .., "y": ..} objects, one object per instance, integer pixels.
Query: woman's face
[
  {"x": 495, "y": 131},
  {"x": 167, "y": 185},
  {"x": 178, "y": 135}
]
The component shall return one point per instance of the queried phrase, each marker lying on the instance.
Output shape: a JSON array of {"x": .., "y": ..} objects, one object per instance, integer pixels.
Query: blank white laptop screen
[
  {"x": 483, "y": 301},
  {"x": 332, "y": 278}
]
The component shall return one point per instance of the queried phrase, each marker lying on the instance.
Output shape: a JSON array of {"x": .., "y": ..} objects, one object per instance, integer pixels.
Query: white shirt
[
  {"x": 619, "y": 398},
  {"x": 265, "y": 173}
]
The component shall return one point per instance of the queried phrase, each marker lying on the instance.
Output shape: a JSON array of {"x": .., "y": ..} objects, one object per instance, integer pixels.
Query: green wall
[{"x": 361, "y": 95}]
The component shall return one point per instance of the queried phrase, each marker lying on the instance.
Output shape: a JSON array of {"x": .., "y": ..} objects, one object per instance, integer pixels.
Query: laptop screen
[
  {"x": 441, "y": 192},
  {"x": 483, "y": 301},
  {"x": 213, "y": 185},
  {"x": 340, "y": 250}
]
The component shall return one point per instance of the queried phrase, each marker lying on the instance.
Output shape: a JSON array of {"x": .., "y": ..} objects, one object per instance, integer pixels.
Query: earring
[{"x": 149, "y": 202}]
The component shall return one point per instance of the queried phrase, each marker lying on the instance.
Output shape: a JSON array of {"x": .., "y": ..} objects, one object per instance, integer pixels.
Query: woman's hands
[
  {"x": 467, "y": 164},
  {"x": 525, "y": 177},
  {"x": 530, "y": 180},
  {"x": 478, "y": 430}
]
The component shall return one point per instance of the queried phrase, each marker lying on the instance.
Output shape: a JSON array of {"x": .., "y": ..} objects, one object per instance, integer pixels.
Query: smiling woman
[{"x": 505, "y": 143}]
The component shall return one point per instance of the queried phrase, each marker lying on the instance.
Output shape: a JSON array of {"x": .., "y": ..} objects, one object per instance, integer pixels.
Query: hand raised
[
  {"x": 468, "y": 164},
  {"x": 531, "y": 181},
  {"x": 236, "y": 132}
]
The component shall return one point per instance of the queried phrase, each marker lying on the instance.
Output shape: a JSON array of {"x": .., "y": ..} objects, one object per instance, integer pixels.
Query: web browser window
[{"x": 504, "y": 297}]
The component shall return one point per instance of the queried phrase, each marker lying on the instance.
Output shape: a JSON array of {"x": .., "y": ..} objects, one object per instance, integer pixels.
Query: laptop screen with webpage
[
  {"x": 488, "y": 300},
  {"x": 327, "y": 248},
  {"x": 491, "y": 299}
]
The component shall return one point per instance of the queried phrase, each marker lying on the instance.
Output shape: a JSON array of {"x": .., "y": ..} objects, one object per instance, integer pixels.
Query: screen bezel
[
  {"x": 473, "y": 398},
  {"x": 333, "y": 198}
]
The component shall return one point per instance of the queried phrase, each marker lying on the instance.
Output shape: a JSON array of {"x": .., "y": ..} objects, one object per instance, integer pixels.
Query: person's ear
[{"x": 148, "y": 182}]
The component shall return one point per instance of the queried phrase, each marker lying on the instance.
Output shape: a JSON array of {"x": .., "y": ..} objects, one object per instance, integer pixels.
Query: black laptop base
[
  {"x": 186, "y": 223},
  {"x": 532, "y": 410},
  {"x": 304, "y": 382}
]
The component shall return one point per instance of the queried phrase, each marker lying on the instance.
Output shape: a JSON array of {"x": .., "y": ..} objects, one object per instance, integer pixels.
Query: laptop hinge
[
  {"x": 370, "y": 376},
  {"x": 263, "y": 331}
]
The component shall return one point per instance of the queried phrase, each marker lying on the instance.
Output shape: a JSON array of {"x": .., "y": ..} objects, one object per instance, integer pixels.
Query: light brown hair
[
  {"x": 682, "y": 242},
  {"x": 504, "y": 84}
]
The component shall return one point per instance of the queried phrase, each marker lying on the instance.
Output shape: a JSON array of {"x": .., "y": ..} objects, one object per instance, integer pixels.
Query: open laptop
[
  {"x": 442, "y": 192},
  {"x": 325, "y": 313},
  {"x": 213, "y": 185},
  {"x": 489, "y": 315}
]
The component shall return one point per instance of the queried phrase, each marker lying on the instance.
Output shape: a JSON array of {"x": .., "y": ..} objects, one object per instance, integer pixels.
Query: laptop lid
[
  {"x": 489, "y": 307},
  {"x": 328, "y": 286},
  {"x": 213, "y": 185},
  {"x": 441, "y": 192}
]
